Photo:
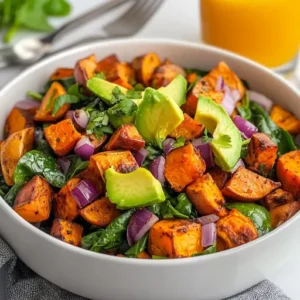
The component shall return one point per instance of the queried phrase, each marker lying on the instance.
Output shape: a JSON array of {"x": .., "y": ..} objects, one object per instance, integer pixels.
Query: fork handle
[{"x": 82, "y": 19}]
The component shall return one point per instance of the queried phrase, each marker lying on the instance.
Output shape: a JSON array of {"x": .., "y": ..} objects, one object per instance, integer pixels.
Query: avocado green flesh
[
  {"x": 217, "y": 122},
  {"x": 157, "y": 116},
  {"x": 176, "y": 90},
  {"x": 136, "y": 189}
]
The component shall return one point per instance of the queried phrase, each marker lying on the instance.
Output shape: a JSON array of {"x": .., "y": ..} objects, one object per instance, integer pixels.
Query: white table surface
[{"x": 176, "y": 19}]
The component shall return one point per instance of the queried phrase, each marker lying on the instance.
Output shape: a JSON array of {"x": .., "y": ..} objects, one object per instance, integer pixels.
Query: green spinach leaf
[
  {"x": 179, "y": 142},
  {"x": 4, "y": 188},
  {"x": 35, "y": 96},
  {"x": 138, "y": 247},
  {"x": 62, "y": 100},
  {"x": 244, "y": 110},
  {"x": 12, "y": 194},
  {"x": 209, "y": 250},
  {"x": 88, "y": 241},
  {"x": 77, "y": 166},
  {"x": 57, "y": 8}
]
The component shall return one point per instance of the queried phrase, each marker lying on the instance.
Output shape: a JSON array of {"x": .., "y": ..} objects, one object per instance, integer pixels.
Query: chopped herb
[
  {"x": 124, "y": 108},
  {"x": 35, "y": 96},
  {"x": 132, "y": 94},
  {"x": 179, "y": 142},
  {"x": 62, "y": 100},
  {"x": 139, "y": 87},
  {"x": 244, "y": 110},
  {"x": 100, "y": 75},
  {"x": 117, "y": 95}
]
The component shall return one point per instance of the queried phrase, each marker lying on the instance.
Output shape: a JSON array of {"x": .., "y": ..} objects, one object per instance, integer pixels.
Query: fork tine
[
  {"x": 135, "y": 9},
  {"x": 153, "y": 8}
]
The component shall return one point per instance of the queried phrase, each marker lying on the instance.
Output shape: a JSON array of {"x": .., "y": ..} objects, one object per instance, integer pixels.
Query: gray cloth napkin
[{"x": 23, "y": 284}]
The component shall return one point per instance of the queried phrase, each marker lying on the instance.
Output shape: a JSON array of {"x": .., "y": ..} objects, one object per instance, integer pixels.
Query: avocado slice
[
  {"x": 227, "y": 141},
  {"x": 176, "y": 90},
  {"x": 157, "y": 116},
  {"x": 136, "y": 189}
]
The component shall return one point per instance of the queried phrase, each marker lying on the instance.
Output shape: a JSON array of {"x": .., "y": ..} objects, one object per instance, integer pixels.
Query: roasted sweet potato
[
  {"x": 247, "y": 186},
  {"x": 106, "y": 64},
  {"x": 206, "y": 196},
  {"x": 17, "y": 120},
  {"x": 192, "y": 77},
  {"x": 44, "y": 113},
  {"x": 219, "y": 176},
  {"x": 277, "y": 198},
  {"x": 85, "y": 69},
  {"x": 282, "y": 213},
  {"x": 285, "y": 120},
  {"x": 288, "y": 172},
  {"x": 262, "y": 154},
  {"x": 126, "y": 137},
  {"x": 229, "y": 77},
  {"x": 62, "y": 73},
  {"x": 234, "y": 230},
  {"x": 33, "y": 201},
  {"x": 183, "y": 166},
  {"x": 164, "y": 74},
  {"x": 203, "y": 88},
  {"x": 97, "y": 143},
  {"x": 144, "y": 67},
  {"x": 189, "y": 129},
  {"x": 64, "y": 204},
  {"x": 62, "y": 137},
  {"x": 13, "y": 149},
  {"x": 143, "y": 255},
  {"x": 67, "y": 231},
  {"x": 123, "y": 83},
  {"x": 175, "y": 238},
  {"x": 122, "y": 71},
  {"x": 100, "y": 213}
]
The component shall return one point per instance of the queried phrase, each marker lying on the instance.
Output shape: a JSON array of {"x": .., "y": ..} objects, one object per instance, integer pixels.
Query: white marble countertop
[{"x": 176, "y": 19}]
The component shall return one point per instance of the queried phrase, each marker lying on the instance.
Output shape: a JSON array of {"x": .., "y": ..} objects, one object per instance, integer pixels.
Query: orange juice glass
[{"x": 267, "y": 31}]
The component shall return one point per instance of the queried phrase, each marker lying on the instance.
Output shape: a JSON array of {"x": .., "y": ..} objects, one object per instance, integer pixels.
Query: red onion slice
[
  {"x": 207, "y": 219},
  {"x": 157, "y": 167},
  {"x": 64, "y": 164},
  {"x": 84, "y": 148},
  {"x": 265, "y": 102},
  {"x": 205, "y": 151},
  {"x": 85, "y": 193},
  {"x": 27, "y": 104},
  {"x": 69, "y": 115},
  {"x": 140, "y": 156},
  {"x": 239, "y": 163},
  {"x": 80, "y": 119},
  {"x": 209, "y": 235},
  {"x": 228, "y": 103},
  {"x": 219, "y": 84},
  {"x": 236, "y": 95},
  {"x": 168, "y": 145},
  {"x": 140, "y": 223},
  {"x": 245, "y": 127}
]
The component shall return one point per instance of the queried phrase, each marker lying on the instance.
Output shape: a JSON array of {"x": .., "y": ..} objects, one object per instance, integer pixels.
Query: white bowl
[{"x": 105, "y": 277}]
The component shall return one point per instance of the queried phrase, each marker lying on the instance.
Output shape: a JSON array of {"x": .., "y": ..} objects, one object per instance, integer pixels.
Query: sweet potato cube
[
  {"x": 85, "y": 69},
  {"x": 106, "y": 64},
  {"x": 183, "y": 166},
  {"x": 126, "y": 137},
  {"x": 65, "y": 205},
  {"x": 62, "y": 137},
  {"x": 18, "y": 119},
  {"x": 33, "y": 201},
  {"x": 234, "y": 230},
  {"x": 288, "y": 172},
  {"x": 144, "y": 67},
  {"x": 202, "y": 88},
  {"x": 123, "y": 83},
  {"x": 262, "y": 154},
  {"x": 175, "y": 238},
  {"x": 62, "y": 73},
  {"x": 191, "y": 78},
  {"x": 189, "y": 129},
  {"x": 165, "y": 73},
  {"x": 219, "y": 176},
  {"x": 206, "y": 196},
  {"x": 67, "y": 232},
  {"x": 247, "y": 186},
  {"x": 285, "y": 120},
  {"x": 281, "y": 214},
  {"x": 143, "y": 255},
  {"x": 277, "y": 198},
  {"x": 13, "y": 149},
  {"x": 44, "y": 113},
  {"x": 121, "y": 71},
  {"x": 100, "y": 213}
]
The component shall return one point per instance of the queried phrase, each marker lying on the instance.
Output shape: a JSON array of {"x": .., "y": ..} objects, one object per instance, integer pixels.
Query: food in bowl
[{"x": 149, "y": 159}]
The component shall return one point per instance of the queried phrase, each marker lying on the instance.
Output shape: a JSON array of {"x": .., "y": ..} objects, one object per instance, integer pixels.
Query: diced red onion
[
  {"x": 157, "y": 167},
  {"x": 27, "y": 104},
  {"x": 64, "y": 164},
  {"x": 205, "y": 151},
  {"x": 265, "y": 102},
  {"x": 140, "y": 223},
  {"x": 81, "y": 119},
  {"x": 69, "y": 115},
  {"x": 140, "y": 156},
  {"x": 228, "y": 103},
  {"x": 85, "y": 193},
  {"x": 236, "y": 95},
  {"x": 84, "y": 148},
  {"x": 168, "y": 145},
  {"x": 207, "y": 219},
  {"x": 245, "y": 127},
  {"x": 239, "y": 163},
  {"x": 219, "y": 84},
  {"x": 208, "y": 234}
]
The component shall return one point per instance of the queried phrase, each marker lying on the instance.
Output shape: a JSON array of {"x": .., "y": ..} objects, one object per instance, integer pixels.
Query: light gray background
[{"x": 176, "y": 19}]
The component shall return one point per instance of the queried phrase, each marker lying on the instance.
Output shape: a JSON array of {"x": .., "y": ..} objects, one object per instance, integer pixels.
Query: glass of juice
[{"x": 267, "y": 31}]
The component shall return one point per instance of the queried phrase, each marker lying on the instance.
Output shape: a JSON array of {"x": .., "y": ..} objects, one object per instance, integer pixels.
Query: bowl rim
[{"x": 125, "y": 260}]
